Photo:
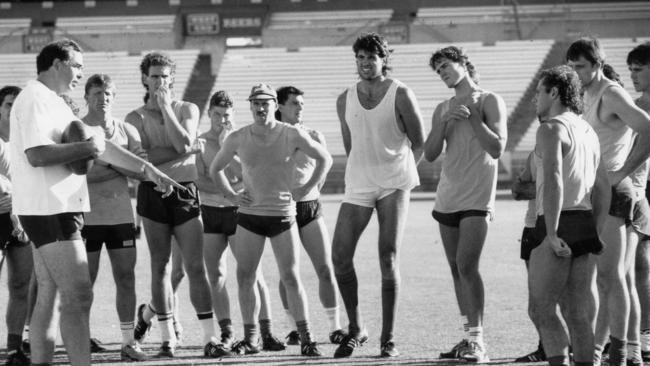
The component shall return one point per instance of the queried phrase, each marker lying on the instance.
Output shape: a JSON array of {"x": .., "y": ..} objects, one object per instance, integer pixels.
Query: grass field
[{"x": 428, "y": 317}]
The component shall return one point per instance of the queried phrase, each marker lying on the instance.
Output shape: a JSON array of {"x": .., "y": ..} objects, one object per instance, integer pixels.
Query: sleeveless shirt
[
  {"x": 213, "y": 144},
  {"x": 579, "y": 165},
  {"x": 469, "y": 174},
  {"x": 154, "y": 135},
  {"x": 531, "y": 210},
  {"x": 304, "y": 170},
  {"x": 380, "y": 154},
  {"x": 615, "y": 136},
  {"x": 267, "y": 169}
]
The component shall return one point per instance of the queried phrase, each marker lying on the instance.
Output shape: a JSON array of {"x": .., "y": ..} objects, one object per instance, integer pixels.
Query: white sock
[
  {"x": 333, "y": 318},
  {"x": 645, "y": 340},
  {"x": 465, "y": 322},
  {"x": 148, "y": 313},
  {"x": 26, "y": 332},
  {"x": 167, "y": 329},
  {"x": 127, "y": 333},
  {"x": 476, "y": 335},
  {"x": 292, "y": 322},
  {"x": 207, "y": 323}
]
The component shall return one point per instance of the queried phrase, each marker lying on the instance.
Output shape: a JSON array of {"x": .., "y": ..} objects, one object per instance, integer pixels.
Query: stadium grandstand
[{"x": 232, "y": 44}]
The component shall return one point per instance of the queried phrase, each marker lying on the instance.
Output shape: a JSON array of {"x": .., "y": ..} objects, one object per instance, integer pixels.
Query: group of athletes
[{"x": 586, "y": 181}]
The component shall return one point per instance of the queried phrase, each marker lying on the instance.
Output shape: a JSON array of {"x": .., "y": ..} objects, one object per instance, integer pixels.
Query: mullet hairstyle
[
  {"x": 592, "y": 51},
  {"x": 156, "y": 59},
  {"x": 458, "y": 55},
  {"x": 374, "y": 43},
  {"x": 567, "y": 82}
]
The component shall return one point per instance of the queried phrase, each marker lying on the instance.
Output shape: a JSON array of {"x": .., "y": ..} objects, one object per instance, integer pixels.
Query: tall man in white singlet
[
  {"x": 383, "y": 135},
  {"x": 567, "y": 157},
  {"x": 309, "y": 217},
  {"x": 267, "y": 149},
  {"x": 610, "y": 110}
]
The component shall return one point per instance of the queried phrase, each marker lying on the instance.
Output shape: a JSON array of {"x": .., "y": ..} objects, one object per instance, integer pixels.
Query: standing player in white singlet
[
  {"x": 168, "y": 129},
  {"x": 382, "y": 135},
  {"x": 569, "y": 178},
  {"x": 266, "y": 150},
  {"x": 220, "y": 224},
  {"x": 638, "y": 61},
  {"x": 111, "y": 221},
  {"x": 473, "y": 125},
  {"x": 615, "y": 118},
  {"x": 309, "y": 217}
]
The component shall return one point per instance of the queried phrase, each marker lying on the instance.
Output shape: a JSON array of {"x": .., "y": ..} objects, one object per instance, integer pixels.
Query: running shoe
[
  {"x": 537, "y": 355},
  {"x": 216, "y": 350},
  {"x": 132, "y": 352},
  {"x": 645, "y": 355},
  {"x": 166, "y": 350},
  {"x": 244, "y": 348},
  {"x": 454, "y": 353},
  {"x": 17, "y": 358},
  {"x": 227, "y": 339},
  {"x": 388, "y": 349},
  {"x": 141, "y": 326},
  {"x": 310, "y": 349},
  {"x": 26, "y": 346},
  {"x": 271, "y": 343},
  {"x": 337, "y": 336},
  {"x": 293, "y": 338},
  {"x": 348, "y": 344},
  {"x": 96, "y": 346},
  {"x": 474, "y": 353}
]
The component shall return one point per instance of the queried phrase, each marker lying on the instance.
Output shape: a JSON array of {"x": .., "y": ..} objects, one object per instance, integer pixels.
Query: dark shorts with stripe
[
  {"x": 114, "y": 236},
  {"x": 528, "y": 242},
  {"x": 576, "y": 228},
  {"x": 175, "y": 209},
  {"x": 7, "y": 239},
  {"x": 308, "y": 211},
  {"x": 47, "y": 229},
  {"x": 219, "y": 220},
  {"x": 453, "y": 219},
  {"x": 268, "y": 226}
]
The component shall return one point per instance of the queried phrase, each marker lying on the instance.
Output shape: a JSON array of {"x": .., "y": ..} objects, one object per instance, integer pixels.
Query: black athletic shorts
[
  {"x": 46, "y": 229},
  {"x": 308, "y": 211},
  {"x": 115, "y": 236},
  {"x": 175, "y": 209},
  {"x": 576, "y": 228},
  {"x": 624, "y": 197},
  {"x": 7, "y": 239},
  {"x": 219, "y": 220},
  {"x": 640, "y": 217},
  {"x": 268, "y": 226},
  {"x": 453, "y": 218},
  {"x": 528, "y": 242}
]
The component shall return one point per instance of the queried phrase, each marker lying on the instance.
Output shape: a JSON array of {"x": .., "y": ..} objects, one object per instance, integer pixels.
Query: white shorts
[{"x": 367, "y": 198}]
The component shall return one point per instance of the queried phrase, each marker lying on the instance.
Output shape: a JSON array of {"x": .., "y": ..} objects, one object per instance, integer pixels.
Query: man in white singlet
[
  {"x": 382, "y": 135},
  {"x": 567, "y": 157},
  {"x": 266, "y": 150},
  {"x": 611, "y": 112}
]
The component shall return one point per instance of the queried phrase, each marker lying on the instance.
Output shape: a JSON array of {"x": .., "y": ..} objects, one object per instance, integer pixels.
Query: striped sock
[
  {"x": 333, "y": 318},
  {"x": 167, "y": 328},
  {"x": 476, "y": 335},
  {"x": 226, "y": 326},
  {"x": 645, "y": 340},
  {"x": 14, "y": 342},
  {"x": 126, "y": 328},
  {"x": 207, "y": 323},
  {"x": 617, "y": 351},
  {"x": 148, "y": 313},
  {"x": 251, "y": 334},
  {"x": 634, "y": 352},
  {"x": 465, "y": 322},
  {"x": 303, "y": 329},
  {"x": 266, "y": 329}
]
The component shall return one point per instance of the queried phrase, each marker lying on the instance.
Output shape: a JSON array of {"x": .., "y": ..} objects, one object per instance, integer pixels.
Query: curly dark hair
[
  {"x": 156, "y": 59},
  {"x": 568, "y": 85},
  {"x": 455, "y": 54},
  {"x": 221, "y": 99},
  {"x": 374, "y": 43}
]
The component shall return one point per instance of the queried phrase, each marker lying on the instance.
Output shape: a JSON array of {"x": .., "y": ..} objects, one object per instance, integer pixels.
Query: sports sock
[
  {"x": 207, "y": 323},
  {"x": 166, "y": 328},
  {"x": 349, "y": 286},
  {"x": 476, "y": 335},
  {"x": 303, "y": 330},
  {"x": 634, "y": 352},
  {"x": 226, "y": 326},
  {"x": 14, "y": 342},
  {"x": 645, "y": 340},
  {"x": 148, "y": 313},
  {"x": 26, "y": 331},
  {"x": 266, "y": 329},
  {"x": 126, "y": 328},
  {"x": 465, "y": 322},
  {"x": 617, "y": 351},
  {"x": 333, "y": 318},
  {"x": 289, "y": 316},
  {"x": 389, "y": 292},
  {"x": 558, "y": 361},
  {"x": 251, "y": 334}
]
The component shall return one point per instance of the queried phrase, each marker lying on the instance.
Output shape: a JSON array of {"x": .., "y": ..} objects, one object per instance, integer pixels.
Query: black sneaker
[
  {"x": 216, "y": 350},
  {"x": 271, "y": 343},
  {"x": 227, "y": 339},
  {"x": 537, "y": 355},
  {"x": 337, "y": 336},
  {"x": 388, "y": 349},
  {"x": 96, "y": 346},
  {"x": 631, "y": 362},
  {"x": 141, "y": 326},
  {"x": 310, "y": 349},
  {"x": 293, "y": 338},
  {"x": 454, "y": 353},
  {"x": 645, "y": 355},
  {"x": 348, "y": 345},
  {"x": 244, "y": 348},
  {"x": 26, "y": 346},
  {"x": 166, "y": 350},
  {"x": 17, "y": 358}
]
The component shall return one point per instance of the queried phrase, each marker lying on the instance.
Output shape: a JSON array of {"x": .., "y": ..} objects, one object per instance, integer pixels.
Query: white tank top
[
  {"x": 615, "y": 136},
  {"x": 579, "y": 165},
  {"x": 468, "y": 180},
  {"x": 380, "y": 154}
]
